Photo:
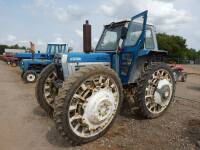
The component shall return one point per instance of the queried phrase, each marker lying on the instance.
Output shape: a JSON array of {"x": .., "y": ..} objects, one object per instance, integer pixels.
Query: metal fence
[{"x": 178, "y": 60}]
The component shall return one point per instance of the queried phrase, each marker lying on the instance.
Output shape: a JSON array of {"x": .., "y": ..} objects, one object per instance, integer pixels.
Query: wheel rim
[
  {"x": 93, "y": 106},
  {"x": 158, "y": 93},
  {"x": 50, "y": 91},
  {"x": 30, "y": 77}
]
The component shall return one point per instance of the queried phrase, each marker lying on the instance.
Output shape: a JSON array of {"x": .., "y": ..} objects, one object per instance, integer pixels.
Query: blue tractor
[
  {"x": 31, "y": 67},
  {"x": 84, "y": 91}
]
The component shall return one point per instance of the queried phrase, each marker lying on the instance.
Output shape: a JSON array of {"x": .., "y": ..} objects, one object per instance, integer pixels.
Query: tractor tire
[
  {"x": 154, "y": 93},
  {"x": 44, "y": 80},
  {"x": 30, "y": 76},
  {"x": 89, "y": 83}
]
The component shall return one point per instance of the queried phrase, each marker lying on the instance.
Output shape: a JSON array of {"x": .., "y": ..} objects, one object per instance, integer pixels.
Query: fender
[
  {"x": 146, "y": 52},
  {"x": 141, "y": 60}
]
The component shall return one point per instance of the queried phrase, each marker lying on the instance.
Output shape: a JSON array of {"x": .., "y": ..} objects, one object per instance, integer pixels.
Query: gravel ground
[{"x": 24, "y": 126}]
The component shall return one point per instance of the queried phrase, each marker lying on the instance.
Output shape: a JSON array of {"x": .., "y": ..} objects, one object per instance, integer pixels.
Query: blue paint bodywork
[
  {"x": 47, "y": 55},
  {"x": 29, "y": 55},
  {"x": 25, "y": 64}
]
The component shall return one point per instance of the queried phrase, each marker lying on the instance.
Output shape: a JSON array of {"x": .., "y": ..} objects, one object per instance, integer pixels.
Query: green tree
[
  {"x": 176, "y": 46},
  {"x": 16, "y": 46},
  {"x": 2, "y": 49}
]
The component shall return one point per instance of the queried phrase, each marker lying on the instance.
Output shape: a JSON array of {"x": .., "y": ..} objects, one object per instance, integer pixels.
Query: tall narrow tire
[
  {"x": 45, "y": 91},
  {"x": 155, "y": 90},
  {"x": 88, "y": 104}
]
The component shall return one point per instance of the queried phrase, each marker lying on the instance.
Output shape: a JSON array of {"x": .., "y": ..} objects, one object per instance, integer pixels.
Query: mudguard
[{"x": 146, "y": 52}]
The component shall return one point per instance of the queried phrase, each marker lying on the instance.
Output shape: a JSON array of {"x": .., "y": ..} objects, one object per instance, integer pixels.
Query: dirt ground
[{"x": 24, "y": 126}]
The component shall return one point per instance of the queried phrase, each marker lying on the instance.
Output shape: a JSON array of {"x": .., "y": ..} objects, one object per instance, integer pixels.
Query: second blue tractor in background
[{"x": 31, "y": 67}]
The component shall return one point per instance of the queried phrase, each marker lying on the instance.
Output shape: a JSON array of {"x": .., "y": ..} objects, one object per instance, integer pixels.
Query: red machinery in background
[
  {"x": 10, "y": 59},
  {"x": 179, "y": 75}
]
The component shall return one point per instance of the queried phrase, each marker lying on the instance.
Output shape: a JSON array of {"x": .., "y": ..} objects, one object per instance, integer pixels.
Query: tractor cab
[
  {"x": 53, "y": 49},
  {"x": 128, "y": 33},
  {"x": 126, "y": 41}
]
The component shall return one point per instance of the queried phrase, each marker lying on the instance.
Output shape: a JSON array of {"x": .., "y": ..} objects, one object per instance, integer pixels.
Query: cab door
[{"x": 132, "y": 44}]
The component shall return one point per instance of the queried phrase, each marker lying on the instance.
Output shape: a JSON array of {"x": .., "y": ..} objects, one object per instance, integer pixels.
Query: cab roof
[{"x": 122, "y": 22}]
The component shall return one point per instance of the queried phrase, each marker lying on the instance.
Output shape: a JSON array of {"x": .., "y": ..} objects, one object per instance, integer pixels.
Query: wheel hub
[
  {"x": 30, "y": 77},
  {"x": 163, "y": 92},
  {"x": 98, "y": 108}
]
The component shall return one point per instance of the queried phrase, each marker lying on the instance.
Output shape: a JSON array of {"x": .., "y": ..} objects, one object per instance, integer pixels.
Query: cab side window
[{"x": 149, "y": 42}]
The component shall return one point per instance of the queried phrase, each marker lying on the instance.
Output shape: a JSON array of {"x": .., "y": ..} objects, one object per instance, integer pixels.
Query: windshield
[
  {"x": 53, "y": 49},
  {"x": 109, "y": 39}
]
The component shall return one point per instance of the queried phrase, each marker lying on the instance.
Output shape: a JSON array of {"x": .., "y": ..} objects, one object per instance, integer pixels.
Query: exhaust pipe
[{"x": 87, "y": 42}]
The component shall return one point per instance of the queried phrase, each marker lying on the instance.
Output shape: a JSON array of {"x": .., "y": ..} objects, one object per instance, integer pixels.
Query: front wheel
[
  {"x": 45, "y": 91},
  {"x": 30, "y": 76},
  {"x": 88, "y": 103},
  {"x": 155, "y": 90}
]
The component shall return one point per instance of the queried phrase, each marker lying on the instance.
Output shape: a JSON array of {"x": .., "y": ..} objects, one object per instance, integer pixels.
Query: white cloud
[
  {"x": 106, "y": 9},
  {"x": 161, "y": 13},
  {"x": 23, "y": 43},
  {"x": 110, "y": 7},
  {"x": 79, "y": 33},
  {"x": 69, "y": 12},
  {"x": 170, "y": 16},
  {"x": 165, "y": 0},
  {"x": 58, "y": 40},
  {"x": 44, "y": 3},
  {"x": 11, "y": 38},
  {"x": 52, "y": 9},
  {"x": 164, "y": 15}
]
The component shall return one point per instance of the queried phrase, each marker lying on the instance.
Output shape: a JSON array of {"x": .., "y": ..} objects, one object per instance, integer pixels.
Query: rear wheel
[
  {"x": 88, "y": 103},
  {"x": 155, "y": 90},
  {"x": 45, "y": 91},
  {"x": 30, "y": 76}
]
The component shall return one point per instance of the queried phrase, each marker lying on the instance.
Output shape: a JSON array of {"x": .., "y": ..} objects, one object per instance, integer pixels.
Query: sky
[{"x": 60, "y": 21}]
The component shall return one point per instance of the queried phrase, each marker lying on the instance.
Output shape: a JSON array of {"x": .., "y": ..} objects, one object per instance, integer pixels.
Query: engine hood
[
  {"x": 35, "y": 61},
  {"x": 29, "y": 55},
  {"x": 88, "y": 57}
]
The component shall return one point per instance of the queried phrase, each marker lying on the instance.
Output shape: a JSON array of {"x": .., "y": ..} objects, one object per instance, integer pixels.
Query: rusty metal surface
[{"x": 87, "y": 46}]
